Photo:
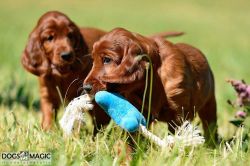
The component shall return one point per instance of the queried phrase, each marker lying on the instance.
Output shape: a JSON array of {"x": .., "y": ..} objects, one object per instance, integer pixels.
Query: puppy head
[
  {"x": 57, "y": 41},
  {"x": 117, "y": 61}
]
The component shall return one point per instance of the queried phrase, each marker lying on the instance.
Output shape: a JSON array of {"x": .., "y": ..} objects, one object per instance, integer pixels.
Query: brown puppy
[
  {"x": 58, "y": 53},
  {"x": 183, "y": 82}
]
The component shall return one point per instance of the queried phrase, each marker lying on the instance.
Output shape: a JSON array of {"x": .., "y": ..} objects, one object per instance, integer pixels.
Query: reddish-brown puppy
[
  {"x": 183, "y": 82},
  {"x": 58, "y": 53}
]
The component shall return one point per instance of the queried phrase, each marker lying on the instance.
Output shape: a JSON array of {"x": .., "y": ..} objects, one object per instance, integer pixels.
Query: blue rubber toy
[{"x": 120, "y": 110}]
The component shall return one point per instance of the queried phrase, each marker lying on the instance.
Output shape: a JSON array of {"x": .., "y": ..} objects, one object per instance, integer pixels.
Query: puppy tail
[{"x": 167, "y": 34}]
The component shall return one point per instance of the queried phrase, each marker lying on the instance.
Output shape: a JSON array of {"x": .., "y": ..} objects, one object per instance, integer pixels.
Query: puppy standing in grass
[
  {"x": 183, "y": 82},
  {"x": 58, "y": 53}
]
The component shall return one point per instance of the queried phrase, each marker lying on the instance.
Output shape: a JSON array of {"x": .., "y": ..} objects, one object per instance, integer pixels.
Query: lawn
[{"x": 221, "y": 29}]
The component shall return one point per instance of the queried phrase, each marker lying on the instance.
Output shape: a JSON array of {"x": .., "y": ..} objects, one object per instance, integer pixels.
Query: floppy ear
[
  {"x": 127, "y": 78},
  {"x": 33, "y": 58},
  {"x": 80, "y": 46}
]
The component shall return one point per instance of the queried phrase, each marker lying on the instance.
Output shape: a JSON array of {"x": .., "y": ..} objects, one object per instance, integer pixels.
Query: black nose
[
  {"x": 87, "y": 87},
  {"x": 66, "y": 55}
]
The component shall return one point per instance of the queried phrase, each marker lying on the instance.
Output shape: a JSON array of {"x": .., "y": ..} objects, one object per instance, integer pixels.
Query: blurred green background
[{"x": 221, "y": 29}]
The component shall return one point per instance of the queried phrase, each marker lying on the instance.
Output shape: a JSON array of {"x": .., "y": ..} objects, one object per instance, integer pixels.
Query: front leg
[
  {"x": 48, "y": 112},
  {"x": 100, "y": 118},
  {"x": 49, "y": 103}
]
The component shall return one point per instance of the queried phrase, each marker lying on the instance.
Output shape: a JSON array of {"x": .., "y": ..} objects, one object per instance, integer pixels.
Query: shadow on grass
[{"x": 14, "y": 93}]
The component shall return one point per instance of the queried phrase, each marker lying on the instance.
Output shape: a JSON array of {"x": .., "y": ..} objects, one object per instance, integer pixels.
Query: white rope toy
[
  {"x": 74, "y": 112},
  {"x": 186, "y": 135}
]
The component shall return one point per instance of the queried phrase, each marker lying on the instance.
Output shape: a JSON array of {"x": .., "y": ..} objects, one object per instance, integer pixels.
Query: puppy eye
[
  {"x": 50, "y": 38},
  {"x": 106, "y": 60},
  {"x": 70, "y": 35}
]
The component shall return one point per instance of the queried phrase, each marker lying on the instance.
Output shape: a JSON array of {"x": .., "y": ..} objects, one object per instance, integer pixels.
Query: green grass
[{"x": 220, "y": 29}]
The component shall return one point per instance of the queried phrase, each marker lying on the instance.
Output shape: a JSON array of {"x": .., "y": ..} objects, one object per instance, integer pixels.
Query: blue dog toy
[
  {"x": 129, "y": 118},
  {"x": 120, "y": 110}
]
